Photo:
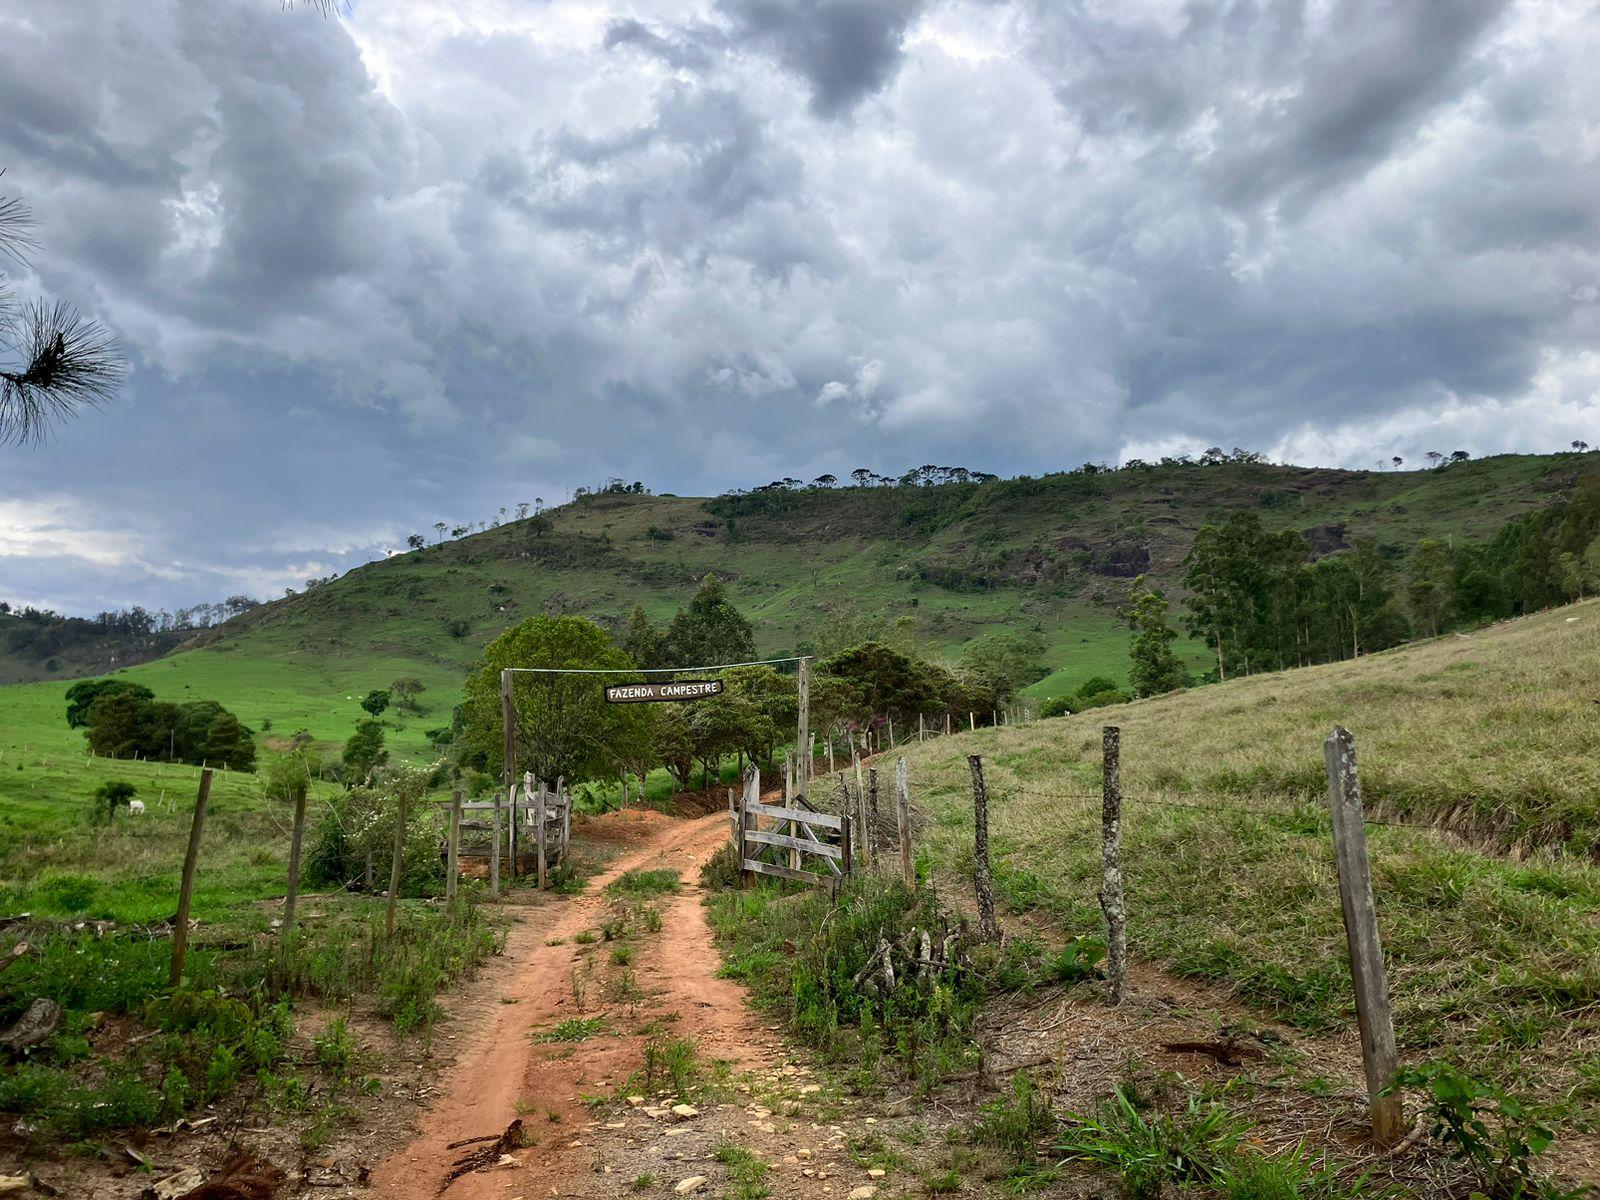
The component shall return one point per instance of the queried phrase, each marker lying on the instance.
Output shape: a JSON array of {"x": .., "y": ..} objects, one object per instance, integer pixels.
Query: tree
[
  {"x": 113, "y": 795},
  {"x": 82, "y": 695},
  {"x": 889, "y": 683},
  {"x": 1154, "y": 670},
  {"x": 439, "y": 528},
  {"x": 53, "y": 360},
  {"x": 1397, "y": 461},
  {"x": 564, "y": 727},
  {"x": 405, "y": 691},
  {"x": 709, "y": 630},
  {"x": 363, "y": 752},
  {"x": 1428, "y": 585},
  {"x": 643, "y": 642},
  {"x": 1005, "y": 662},
  {"x": 416, "y": 541},
  {"x": 375, "y": 701}
]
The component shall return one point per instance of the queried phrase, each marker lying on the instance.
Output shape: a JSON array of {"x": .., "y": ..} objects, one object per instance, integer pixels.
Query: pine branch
[{"x": 68, "y": 362}]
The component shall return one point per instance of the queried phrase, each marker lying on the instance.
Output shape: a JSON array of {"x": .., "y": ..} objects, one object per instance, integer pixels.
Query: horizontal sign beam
[{"x": 644, "y": 693}]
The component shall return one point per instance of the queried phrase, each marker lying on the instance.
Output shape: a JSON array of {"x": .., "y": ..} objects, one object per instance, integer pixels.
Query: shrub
[
  {"x": 1057, "y": 706},
  {"x": 113, "y": 795}
]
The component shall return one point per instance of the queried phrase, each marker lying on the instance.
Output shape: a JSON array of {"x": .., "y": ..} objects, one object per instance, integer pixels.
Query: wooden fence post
[
  {"x": 508, "y": 729},
  {"x": 972, "y": 721},
  {"x": 870, "y": 834},
  {"x": 540, "y": 837},
  {"x": 891, "y": 735},
  {"x": 922, "y": 728},
  {"x": 296, "y": 840},
  {"x": 1379, "y": 1057},
  {"x": 1111, "y": 898},
  {"x": 988, "y": 926},
  {"x": 947, "y": 723},
  {"x": 494, "y": 850},
  {"x": 802, "y": 741},
  {"x": 566, "y": 819},
  {"x": 845, "y": 846},
  {"x": 453, "y": 851},
  {"x": 191, "y": 858},
  {"x": 830, "y": 754},
  {"x": 903, "y": 804},
  {"x": 733, "y": 820},
  {"x": 394, "y": 866},
  {"x": 747, "y": 819}
]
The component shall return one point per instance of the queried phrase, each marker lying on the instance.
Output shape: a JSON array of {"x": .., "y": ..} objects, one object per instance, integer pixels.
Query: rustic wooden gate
[{"x": 794, "y": 831}]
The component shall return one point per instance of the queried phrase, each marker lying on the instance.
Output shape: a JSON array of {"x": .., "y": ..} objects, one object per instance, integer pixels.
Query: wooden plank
[
  {"x": 763, "y": 868},
  {"x": 812, "y": 838},
  {"x": 1378, "y": 1055},
  {"x": 798, "y": 815},
  {"x": 809, "y": 845}
]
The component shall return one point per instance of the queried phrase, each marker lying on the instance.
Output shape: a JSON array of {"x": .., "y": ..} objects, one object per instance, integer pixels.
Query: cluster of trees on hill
[
  {"x": 122, "y": 719},
  {"x": 446, "y": 529},
  {"x": 1261, "y": 602},
  {"x": 566, "y": 729},
  {"x": 139, "y": 621}
]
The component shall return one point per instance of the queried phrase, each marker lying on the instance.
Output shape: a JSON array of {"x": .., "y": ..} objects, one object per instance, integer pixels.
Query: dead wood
[
  {"x": 33, "y": 1026},
  {"x": 243, "y": 1177},
  {"x": 1230, "y": 1053},
  {"x": 486, "y": 1155}
]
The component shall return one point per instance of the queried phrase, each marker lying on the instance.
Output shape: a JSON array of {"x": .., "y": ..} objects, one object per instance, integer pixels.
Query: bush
[
  {"x": 1057, "y": 706},
  {"x": 1102, "y": 699},
  {"x": 113, "y": 795}
]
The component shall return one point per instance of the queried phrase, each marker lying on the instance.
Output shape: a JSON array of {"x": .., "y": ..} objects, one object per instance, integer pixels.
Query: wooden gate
[{"x": 762, "y": 831}]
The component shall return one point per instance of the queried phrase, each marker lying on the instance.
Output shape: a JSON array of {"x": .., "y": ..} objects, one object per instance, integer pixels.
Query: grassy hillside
[
  {"x": 1229, "y": 856},
  {"x": 935, "y": 567}
]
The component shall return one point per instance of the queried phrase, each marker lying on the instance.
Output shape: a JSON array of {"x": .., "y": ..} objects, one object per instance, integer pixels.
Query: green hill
[{"x": 934, "y": 567}]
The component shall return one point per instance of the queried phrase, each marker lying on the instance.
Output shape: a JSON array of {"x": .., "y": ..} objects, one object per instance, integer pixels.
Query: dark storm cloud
[
  {"x": 845, "y": 50},
  {"x": 448, "y": 255}
]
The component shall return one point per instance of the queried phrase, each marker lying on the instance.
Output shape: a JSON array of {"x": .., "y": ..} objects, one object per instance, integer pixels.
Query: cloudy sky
[{"x": 438, "y": 256}]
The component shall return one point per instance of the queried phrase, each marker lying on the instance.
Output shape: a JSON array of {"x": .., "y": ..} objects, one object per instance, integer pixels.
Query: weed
[
  {"x": 1495, "y": 1134},
  {"x": 644, "y": 1181},
  {"x": 643, "y": 885},
  {"x": 942, "y": 1183},
  {"x": 336, "y": 1050},
  {"x": 622, "y": 955},
  {"x": 575, "y": 1029},
  {"x": 746, "y": 1171},
  {"x": 586, "y": 937},
  {"x": 1016, "y": 1124},
  {"x": 1150, "y": 1150},
  {"x": 1077, "y": 961}
]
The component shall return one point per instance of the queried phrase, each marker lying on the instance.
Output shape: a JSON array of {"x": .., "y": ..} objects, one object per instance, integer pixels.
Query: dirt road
[{"x": 504, "y": 1072}]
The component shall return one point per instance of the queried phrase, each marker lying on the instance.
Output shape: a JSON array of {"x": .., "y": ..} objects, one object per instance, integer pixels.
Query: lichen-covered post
[
  {"x": 988, "y": 926},
  {"x": 903, "y": 803},
  {"x": 1379, "y": 1057},
  {"x": 1111, "y": 899}
]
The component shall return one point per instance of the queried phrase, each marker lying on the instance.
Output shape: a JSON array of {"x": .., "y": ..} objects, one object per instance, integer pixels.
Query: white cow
[{"x": 135, "y": 807}]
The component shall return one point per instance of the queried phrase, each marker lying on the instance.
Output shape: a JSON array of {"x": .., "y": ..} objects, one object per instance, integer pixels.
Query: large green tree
[
  {"x": 1154, "y": 668},
  {"x": 709, "y": 630},
  {"x": 564, "y": 727},
  {"x": 1005, "y": 662}
]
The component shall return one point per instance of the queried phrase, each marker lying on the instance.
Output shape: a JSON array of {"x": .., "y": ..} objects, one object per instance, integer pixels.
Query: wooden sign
[{"x": 639, "y": 693}]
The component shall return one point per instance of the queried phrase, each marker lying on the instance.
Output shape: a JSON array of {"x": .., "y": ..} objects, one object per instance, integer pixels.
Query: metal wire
[{"x": 765, "y": 662}]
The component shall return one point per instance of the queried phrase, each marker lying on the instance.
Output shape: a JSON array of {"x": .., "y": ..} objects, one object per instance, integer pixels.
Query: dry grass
[{"x": 1494, "y": 959}]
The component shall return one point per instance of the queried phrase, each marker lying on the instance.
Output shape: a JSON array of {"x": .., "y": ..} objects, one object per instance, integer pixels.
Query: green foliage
[
  {"x": 746, "y": 1171},
  {"x": 1155, "y": 668},
  {"x": 375, "y": 701},
  {"x": 128, "y": 723},
  {"x": 640, "y": 884},
  {"x": 82, "y": 695},
  {"x": 709, "y": 630},
  {"x": 574, "y": 1029},
  {"x": 1057, "y": 706},
  {"x": 363, "y": 752},
  {"x": 112, "y": 795},
  {"x": 565, "y": 729},
  {"x": 1152, "y": 1150},
  {"x": 1495, "y": 1134},
  {"x": 1016, "y": 1124},
  {"x": 1077, "y": 961},
  {"x": 1004, "y": 662},
  {"x": 806, "y": 955}
]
